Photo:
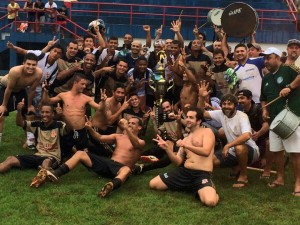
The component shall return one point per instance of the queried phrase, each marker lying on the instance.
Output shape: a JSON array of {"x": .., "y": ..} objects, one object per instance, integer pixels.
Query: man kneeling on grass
[
  {"x": 126, "y": 154},
  {"x": 196, "y": 152},
  {"x": 48, "y": 133}
]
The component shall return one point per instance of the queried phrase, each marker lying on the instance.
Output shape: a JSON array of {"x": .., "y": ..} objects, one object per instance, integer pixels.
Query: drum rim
[
  {"x": 209, "y": 18},
  {"x": 254, "y": 27}
]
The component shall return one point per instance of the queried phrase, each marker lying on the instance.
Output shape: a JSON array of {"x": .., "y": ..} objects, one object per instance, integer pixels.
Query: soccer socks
[
  {"x": 117, "y": 182},
  {"x": 63, "y": 169}
]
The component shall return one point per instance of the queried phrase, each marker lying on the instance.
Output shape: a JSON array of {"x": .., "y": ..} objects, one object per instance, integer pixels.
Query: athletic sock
[
  {"x": 63, "y": 169},
  {"x": 117, "y": 183}
]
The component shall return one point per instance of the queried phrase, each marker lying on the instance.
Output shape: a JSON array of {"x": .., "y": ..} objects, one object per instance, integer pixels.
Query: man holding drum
[{"x": 283, "y": 81}]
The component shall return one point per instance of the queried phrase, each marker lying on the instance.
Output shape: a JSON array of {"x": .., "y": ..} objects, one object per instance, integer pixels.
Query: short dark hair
[
  {"x": 218, "y": 51},
  {"x": 78, "y": 76},
  {"x": 88, "y": 36},
  {"x": 31, "y": 56},
  {"x": 140, "y": 123},
  {"x": 119, "y": 85},
  {"x": 49, "y": 105},
  {"x": 132, "y": 94},
  {"x": 203, "y": 35},
  {"x": 176, "y": 42},
  {"x": 113, "y": 38},
  {"x": 240, "y": 45},
  {"x": 199, "y": 113},
  {"x": 59, "y": 46},
  {"x": 141, "y": 58},
  {"x": 73, "y": 42},
  {"x": 230, "y": 98}
]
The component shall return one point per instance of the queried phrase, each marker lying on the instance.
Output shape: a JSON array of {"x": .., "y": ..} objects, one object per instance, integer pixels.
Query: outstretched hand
[
  {"x": 161, "y": 143},
  {"x": 203, "y": 88}
]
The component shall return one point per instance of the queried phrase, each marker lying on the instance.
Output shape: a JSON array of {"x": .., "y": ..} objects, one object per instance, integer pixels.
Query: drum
[
  {"x": 214, "y": 17},
  {"x": 285, "y": 123},
  {"x": 239, "y": 20},
  {"x": 99, "y": 23}
]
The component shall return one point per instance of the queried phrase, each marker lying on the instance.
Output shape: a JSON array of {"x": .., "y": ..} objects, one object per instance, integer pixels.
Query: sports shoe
[
  {"x": 108, "y": 187},
  {"x": 138, "y": 169},
  {"x": 149, "y": 158},
  {"x": 51, "y": 175},
  {"x": 39, "y": 179}
]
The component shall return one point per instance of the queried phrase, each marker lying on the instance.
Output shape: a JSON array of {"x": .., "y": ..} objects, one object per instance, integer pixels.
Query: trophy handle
[
  {"x": 151, "y": 82},
  {"x": 172, "y": 84}
]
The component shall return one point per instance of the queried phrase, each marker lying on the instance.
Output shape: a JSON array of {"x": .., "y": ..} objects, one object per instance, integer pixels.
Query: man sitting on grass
[
  {"x": 196, "y": 154},
  {"x": 125, "y": 155},
  {"x": 48, "y": 133}
]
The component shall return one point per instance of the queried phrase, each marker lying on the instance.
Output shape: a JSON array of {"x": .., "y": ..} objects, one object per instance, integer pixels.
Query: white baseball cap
[{"x": 270, "y": 51}]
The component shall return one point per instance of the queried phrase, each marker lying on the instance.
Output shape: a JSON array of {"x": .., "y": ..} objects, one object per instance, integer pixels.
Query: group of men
[{"x": 110, "y": 142}]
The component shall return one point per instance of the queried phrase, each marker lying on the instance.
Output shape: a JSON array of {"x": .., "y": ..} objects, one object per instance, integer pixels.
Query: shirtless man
[
  {"x": 189, "y": 92},
  {"x": 13, "y": 85},
  {"x": 126, "y": 154},
  {"x": 196, "y": 153},
  {"x": 74, "y": 106},
  {"x": 113, "y": 111}
]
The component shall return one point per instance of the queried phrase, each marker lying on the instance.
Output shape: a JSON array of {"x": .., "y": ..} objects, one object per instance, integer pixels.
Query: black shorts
[
  {"x": 13, "y": 100},
  {"x": 231, "y": 160},
  {"x": 183, "y": 179},
  {"x": 104, "y": 166},
  {"x": 34, "y": 161},
  {"x": 99, "y": 148},
  {"x": 79, "y": 138}
]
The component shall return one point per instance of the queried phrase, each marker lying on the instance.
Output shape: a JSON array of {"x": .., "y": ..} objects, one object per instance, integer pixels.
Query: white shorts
[{"x": 290, "y": 145}]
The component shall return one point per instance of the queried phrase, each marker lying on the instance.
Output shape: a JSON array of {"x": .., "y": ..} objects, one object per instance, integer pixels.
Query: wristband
[{"x": 289, "y": 86}]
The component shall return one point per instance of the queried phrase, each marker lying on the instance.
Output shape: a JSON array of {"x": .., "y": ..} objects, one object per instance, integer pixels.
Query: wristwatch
[{"x": 289, "y": 86}]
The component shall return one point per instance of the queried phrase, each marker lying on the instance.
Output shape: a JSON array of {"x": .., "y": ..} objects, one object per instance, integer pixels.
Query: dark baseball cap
[{"x": 247, "y": 93}]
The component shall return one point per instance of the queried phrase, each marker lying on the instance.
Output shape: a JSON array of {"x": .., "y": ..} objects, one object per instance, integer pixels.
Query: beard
[{"x": 228, "y": 112}]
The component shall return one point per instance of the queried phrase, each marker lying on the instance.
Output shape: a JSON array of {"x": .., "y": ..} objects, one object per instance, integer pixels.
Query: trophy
[{"x": 159, "y": 84}]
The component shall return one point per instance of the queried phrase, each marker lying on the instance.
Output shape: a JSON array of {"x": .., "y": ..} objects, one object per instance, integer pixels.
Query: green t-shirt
[{"x": 272, "y": 84}]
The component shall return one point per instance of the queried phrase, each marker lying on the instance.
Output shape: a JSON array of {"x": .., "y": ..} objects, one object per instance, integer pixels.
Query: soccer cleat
[
  {"x": 138, "y": 169},
  {"x": 108, "y": 187},
  {"x": 51, "y": 175},
  {"x": 149, "y": 158},
  {"x": 39, "y": 179}
]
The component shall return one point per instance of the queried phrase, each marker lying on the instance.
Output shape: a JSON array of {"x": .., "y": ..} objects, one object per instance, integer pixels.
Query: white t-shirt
[
  {"x": 234, "y": 127},
  {"x": 250, "y": 76},
  {"x": 104, "y": 54}
]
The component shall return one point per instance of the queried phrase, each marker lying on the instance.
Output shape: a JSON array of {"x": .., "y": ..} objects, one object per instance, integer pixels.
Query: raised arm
[
  {"x": 134, "y": 139},
  {"x": 176, "y": 25},
  {"x": 17, "y": 49},
  {"x": 110, "y": 139},
  {"x": 147, "y": 29},
  {"x": 50, "y": 44},
  {"x": 114, "y": 117},
  {"x": 202, "y": 94}
]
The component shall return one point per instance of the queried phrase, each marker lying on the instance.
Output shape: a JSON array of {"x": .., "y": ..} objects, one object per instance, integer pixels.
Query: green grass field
[{"x": 74, "y": 199}]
